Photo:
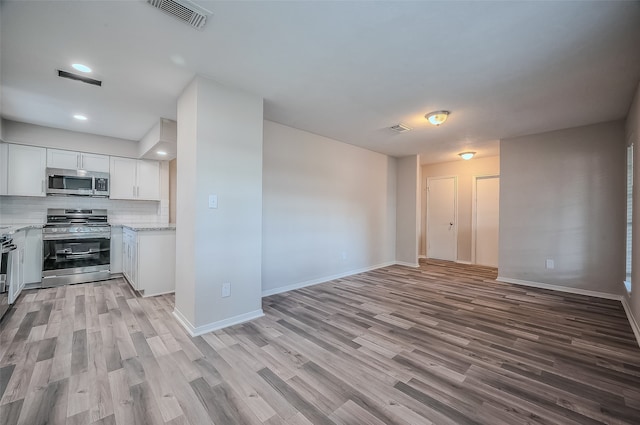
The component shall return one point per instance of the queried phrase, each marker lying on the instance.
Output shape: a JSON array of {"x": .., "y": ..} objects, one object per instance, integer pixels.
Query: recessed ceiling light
[
  {"x": 163, "y": 153},
  {"x": 466, "y": 155},
  {"x": 80, "y": 67},
  {"x": 80, "y": 117},
  {"x": 438, "y": 117}
]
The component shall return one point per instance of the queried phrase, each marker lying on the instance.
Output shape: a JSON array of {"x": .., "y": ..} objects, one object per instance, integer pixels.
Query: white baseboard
[
  {"x": 422, "y": 257},
  {"x": 464, "y": 262},
  {"x": 632, "y": 320},
  {"x": 560, "y": 288},
  {"x": 220, "y": 324},
  {"x": 158, "y": 294},
  {"x": 312, "y": 282},
  {"x": 403, "y": 263}
]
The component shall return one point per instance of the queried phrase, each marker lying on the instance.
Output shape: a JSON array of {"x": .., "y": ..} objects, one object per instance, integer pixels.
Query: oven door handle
[{"x": 75, "y": 236}]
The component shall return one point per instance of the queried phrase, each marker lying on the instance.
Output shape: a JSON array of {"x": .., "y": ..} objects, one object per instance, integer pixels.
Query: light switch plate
[
  {"x": 213, "y": 201},
  {"x": 226, "y": 289},
  {"x": 549, "y": 263}
]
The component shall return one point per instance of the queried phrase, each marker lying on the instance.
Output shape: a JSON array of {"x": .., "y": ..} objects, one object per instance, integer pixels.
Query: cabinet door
[
  {"x": 134, "y": 263},
  {"x": 33, "y": 256},
  {"x": 57, "y": 158},
  {"x": 4, "y": 152},
  {"x": 123, "y": 178},
  {"x": 16, "y": 277},
  {"x": 93, "y": 162},
  {"x": 26, "y": 170},
  {"x": 125, "y": 255},
  {"x": 148, "y": 180},
  {"x": 116, "y": 249}
]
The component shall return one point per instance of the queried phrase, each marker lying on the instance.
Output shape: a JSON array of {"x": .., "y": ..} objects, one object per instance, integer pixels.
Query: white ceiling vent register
[
  {"x": 400, "y": 128},
  {"x": 184, "y": 10}
]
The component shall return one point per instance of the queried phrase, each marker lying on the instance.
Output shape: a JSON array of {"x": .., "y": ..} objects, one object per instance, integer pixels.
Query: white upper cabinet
[
  {"x": 93, "y": 162},
  {"x": 4, "y": 161},
  {"x": 134, "y": 179},
  {"x": 122, "y": 176},
  {"x": 148, "y": 180},
  {"x": 57, "y": 158},
  {"x": 26, "y": 170}
]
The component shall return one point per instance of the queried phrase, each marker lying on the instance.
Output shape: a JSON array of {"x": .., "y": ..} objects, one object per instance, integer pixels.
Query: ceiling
[{"x": 346, "y": 70}]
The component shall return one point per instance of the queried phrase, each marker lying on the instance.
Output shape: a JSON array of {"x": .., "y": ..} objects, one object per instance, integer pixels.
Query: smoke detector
[
  {"x": 400, "y": 128},
  {"x": 184, "y": 10}
]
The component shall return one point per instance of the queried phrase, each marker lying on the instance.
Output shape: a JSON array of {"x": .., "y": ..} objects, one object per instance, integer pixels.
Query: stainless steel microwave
[{"x": 77, "y": 182}]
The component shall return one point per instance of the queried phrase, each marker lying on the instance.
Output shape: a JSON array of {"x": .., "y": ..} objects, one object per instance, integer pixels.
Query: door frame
[
  {"x": 455, "y": 215},
  {"x": 474, "y": 212}
]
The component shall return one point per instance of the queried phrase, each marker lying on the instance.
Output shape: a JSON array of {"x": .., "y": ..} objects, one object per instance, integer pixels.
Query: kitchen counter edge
[
  {"x": 10, "y": 229},
  {"x": 141, "y": 227}
]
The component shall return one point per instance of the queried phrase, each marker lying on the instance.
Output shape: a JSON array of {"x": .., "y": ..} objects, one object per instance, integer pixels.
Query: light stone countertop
[
  {"x": 10, "y": 229},
  {"x": 146, "y": 226}
]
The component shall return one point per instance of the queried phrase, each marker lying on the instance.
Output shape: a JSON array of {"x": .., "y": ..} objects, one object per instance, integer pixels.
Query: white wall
[
  {"x": 633, "y": 136},
  {"x": 407, "y": 210},
  {"x": 465, "y": 171},
  {"x": 48, "y": 137},
  {"x": 563, "y": 197},
  {"x": 328, "y": 208},
  {"x": 220, "y": 150}
]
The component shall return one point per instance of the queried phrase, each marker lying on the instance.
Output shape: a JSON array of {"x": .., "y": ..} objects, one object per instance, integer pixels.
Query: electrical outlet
[
  {"x": 226, "y": 289},
  {"x": 549, "y": 263}
]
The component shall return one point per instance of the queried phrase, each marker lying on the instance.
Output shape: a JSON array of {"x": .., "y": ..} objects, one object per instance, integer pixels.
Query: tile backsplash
[{"x": 18, "y": 209}]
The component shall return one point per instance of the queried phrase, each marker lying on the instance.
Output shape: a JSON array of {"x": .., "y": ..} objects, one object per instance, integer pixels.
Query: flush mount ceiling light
[
  {"x": 161, "y": 153},
  {"x": 437, "y": 117},
  {"x": 466, "y": 155},
  {"x": 80, "y": 67},
  {"x": 80, "y": 117}
]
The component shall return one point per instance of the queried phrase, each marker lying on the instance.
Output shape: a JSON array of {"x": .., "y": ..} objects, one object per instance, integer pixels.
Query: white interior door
[
  {"x": 441, "y": 218},
  {"x": 486, "y": 220}
]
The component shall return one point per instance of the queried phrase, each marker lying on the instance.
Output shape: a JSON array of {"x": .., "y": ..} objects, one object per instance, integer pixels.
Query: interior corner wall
[
  {"x": 407, "y": 210},
  {"x": 328, "y": 208},
  {"x": 563, "y": 197},
  {"x": 185, "y": 201},
  {"x": 465, "y": 171},
  {"x": 633, "y": 136}
]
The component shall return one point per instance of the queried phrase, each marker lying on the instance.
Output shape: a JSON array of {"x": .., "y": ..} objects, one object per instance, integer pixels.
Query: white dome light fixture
[
  {"x": 437, "y": 117},
  {"x": 80, "y": 117},
  {"x": 466, "y": 155}
]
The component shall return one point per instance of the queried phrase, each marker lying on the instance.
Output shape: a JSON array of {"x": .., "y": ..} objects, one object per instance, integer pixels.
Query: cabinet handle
[
  {"x": 81, "y": 162},
  {"x": 138, "y": 191},
  {"x": 134, "y": 191},
  {"x": 42, "y": 186}
]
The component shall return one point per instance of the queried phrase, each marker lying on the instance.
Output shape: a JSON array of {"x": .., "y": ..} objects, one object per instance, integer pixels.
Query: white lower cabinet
[
  {"x": 116, "y": 250},
  {"x": 149, "y": 260},
  {"x": 32, "y": 260},
  {"x": 16, "y": 276}
]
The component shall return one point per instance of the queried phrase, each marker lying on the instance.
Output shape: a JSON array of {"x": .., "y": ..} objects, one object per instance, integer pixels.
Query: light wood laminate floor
[{"x": 442, "y": 344}]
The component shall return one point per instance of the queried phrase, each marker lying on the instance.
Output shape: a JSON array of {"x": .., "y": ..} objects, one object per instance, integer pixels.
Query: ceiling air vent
[
  {"x": 76, "y": 77},
  {"x": 400, "y": 128},
  {"x": 184, "y": 10}
]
